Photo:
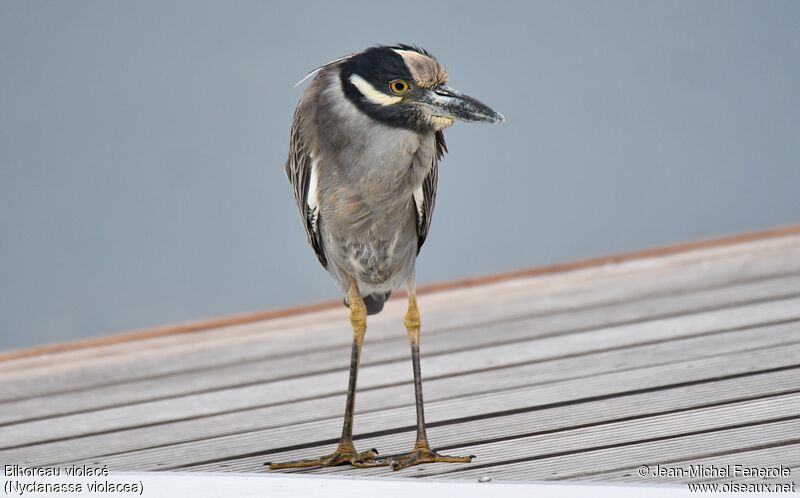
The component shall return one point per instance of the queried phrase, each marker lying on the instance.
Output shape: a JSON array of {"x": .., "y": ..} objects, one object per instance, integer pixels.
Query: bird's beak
[{"x": 446, "y": 102}]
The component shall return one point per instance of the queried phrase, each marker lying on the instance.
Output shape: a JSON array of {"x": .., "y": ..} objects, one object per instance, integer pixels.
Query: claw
[
  {"x": 424, "y": 455},
  {"x": 342, "y": 455}
]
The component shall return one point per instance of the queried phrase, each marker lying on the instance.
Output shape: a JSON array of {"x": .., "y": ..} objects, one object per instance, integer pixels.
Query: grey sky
[{"x": 142, "y": 143}]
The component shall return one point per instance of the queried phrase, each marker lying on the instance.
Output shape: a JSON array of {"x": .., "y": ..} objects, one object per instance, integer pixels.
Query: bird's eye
[{"x": 399, "y": 87}]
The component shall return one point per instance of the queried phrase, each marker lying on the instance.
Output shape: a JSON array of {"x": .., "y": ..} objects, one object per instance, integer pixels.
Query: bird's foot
[
  {"x": 344, "y": 454},
  {"x": 423, "y": 454}
]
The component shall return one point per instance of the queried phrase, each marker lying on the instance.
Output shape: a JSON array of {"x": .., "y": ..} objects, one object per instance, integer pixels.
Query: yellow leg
[
  {"x": 346, "y": 452},
  {"x": 422, "y": 453}
]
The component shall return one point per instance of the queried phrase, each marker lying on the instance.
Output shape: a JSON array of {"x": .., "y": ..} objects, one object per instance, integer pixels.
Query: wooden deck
[{"x": 579, "y": 372}]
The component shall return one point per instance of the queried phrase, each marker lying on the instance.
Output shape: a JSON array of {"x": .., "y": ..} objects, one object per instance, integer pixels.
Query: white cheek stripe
[{"x": 371, "y": 93}]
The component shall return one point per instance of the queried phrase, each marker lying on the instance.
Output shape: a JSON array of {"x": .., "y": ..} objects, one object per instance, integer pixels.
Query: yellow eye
[{"x": 399, "y": 87}]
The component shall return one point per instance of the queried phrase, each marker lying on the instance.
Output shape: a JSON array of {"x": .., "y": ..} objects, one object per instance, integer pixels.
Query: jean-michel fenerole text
[{"x": 736, "y": 470}]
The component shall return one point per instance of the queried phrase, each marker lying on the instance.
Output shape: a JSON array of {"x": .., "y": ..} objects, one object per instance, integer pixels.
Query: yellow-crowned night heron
[{"x": 365, "y": 144}]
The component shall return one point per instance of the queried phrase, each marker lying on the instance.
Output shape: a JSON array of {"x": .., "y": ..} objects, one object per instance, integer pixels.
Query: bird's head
[{"x": 405, "y": 86}]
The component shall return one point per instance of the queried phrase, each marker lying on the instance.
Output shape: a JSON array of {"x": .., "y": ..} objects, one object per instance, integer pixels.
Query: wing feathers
[
  {"x": 303, "y": 175},
  {"x": 425, "y": 198}
]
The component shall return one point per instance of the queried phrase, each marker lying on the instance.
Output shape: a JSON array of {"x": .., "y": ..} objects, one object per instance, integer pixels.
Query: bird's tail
[{"x": 374, "y": 302}]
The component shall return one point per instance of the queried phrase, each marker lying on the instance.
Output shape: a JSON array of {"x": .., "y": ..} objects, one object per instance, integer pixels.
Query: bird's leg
[
  {"x": 346, "y": 452},
  {"x": 422, "y": 452}
]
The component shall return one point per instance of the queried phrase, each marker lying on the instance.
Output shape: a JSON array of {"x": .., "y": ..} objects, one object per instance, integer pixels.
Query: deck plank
[
  {"x": 687, "y": 447},
  {"x": 381, "y": 412},
  {"x": 436, "y": 344},
  {"x": 679, "y": 273},
  {"x": 567, "y": 414},
  {"x": 306, "y": 387},
  {"x": 584, "y": 374}
]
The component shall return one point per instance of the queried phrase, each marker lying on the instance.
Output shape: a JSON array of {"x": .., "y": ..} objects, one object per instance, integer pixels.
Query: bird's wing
[
  {"x": 425, "y": 199},
  {"x": 302, "y": 174}
]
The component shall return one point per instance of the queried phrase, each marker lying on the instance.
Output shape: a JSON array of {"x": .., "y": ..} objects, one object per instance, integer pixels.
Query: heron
[{"x": 366, "y": 140}]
